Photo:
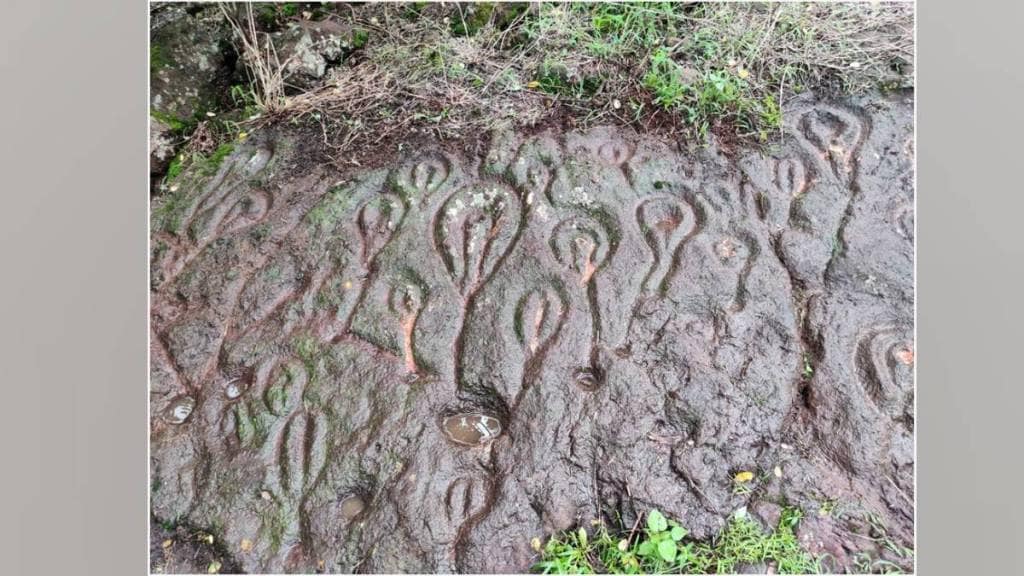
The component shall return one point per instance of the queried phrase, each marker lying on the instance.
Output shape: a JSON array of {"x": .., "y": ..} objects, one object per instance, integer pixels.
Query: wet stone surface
[
  {"x": 471, "y": 429},
  {"x": 422, "y": 365}
]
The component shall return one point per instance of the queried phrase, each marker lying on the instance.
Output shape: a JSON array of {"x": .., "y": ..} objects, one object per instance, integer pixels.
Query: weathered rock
[
  {"x": 642, "y": 323},
  {"x": 307, "y": 49},
  {"x": 190, "y": 64},
  {"x": 161, "y": 146}
]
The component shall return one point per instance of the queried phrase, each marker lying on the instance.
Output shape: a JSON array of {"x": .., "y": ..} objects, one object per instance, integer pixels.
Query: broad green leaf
[
  {"x": 667, "y": 550},
  {"x": 656, "y": 522},
  {"x": 678, "y": 532},
  {"x": 646, "y": 548}
]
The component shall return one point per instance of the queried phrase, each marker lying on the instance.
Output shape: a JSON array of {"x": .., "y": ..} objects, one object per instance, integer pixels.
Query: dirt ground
[{"x": 421, "y": 364}]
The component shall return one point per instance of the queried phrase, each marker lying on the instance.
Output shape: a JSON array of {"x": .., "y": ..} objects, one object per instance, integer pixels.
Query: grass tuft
[{"x": 663, "y": 547}]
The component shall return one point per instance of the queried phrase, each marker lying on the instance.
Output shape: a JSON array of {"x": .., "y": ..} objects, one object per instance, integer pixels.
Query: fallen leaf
[
  {"x": 533, "y": 84},
  {"x": 246, "y": 545},
  {"x": 744, "y": 476},
  {"x": 167, "y": 543},
  {"x": 535, "y": 544},
  {"x": 242, "y": 136},
  {"x": 743, "y": 72},
  {"x": 265, "y": 495},
  {"x": 623, "y": 545},
  {"x": 778, "y": 472}
]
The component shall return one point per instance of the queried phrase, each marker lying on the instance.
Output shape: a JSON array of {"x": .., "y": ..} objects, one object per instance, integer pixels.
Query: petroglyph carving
[
  {"x": 666, "y": 223},
  {"x": 474, "y": 230},
  {"x": 437, "y": 332},
  {"x": 836, "y": 135},
  {"x": 421, "y": 178}
]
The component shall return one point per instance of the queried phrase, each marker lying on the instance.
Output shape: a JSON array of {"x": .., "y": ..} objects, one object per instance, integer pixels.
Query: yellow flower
[
  {"x": 743, "y": 72},
  {"x": 744, "y": 476}
]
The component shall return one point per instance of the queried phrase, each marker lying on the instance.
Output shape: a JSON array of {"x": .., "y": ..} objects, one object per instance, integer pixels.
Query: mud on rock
[{"x": 424, "y": 365}]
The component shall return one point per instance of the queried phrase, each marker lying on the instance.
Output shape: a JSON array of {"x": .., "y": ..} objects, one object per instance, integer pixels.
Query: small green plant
[
  {"x": 808, "y": 367},
  {"x": 174, "y": 169},
  {"x": 662, "y": 547},
  {"x": 624, "y": 28},
  {"x": 771, "y": 113},
  {"x": 662, "y": 550},
  {"x": 244, "y": 98},
  {"x": 554, "y": 78},
  {"x": 715, "y": 95},
  {"x": 359, "y": 38},
  {"x": 289, "y": 9},
  {"x": 469, "y": 21},
  {"x": 273, "y": 16},
  {"x": 743, "y": 541},
  {"x": 567, "y": 554},
  {"x": 212, "y": 163},
  {"x": 900, "y": 557},
  {"x": 664, "y": 80}
]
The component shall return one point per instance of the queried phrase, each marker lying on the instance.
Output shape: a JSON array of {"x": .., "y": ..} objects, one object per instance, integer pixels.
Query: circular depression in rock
[
  {"x": 352, "y": 506},
  {"x": 234, "y": 388},
  {"x": 179, "y": 410},
  {"x": 588, "y": 379},
  {"x": 471, "y": 429}
]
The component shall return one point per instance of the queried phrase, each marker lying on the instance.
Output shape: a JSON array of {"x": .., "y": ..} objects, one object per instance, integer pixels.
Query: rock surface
[
  {"x": 190, "y": 60},
  {"x": 161, "y": 146},
  {"x": 422, "y": 366},
  {"x": 306, "y": 50}
]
